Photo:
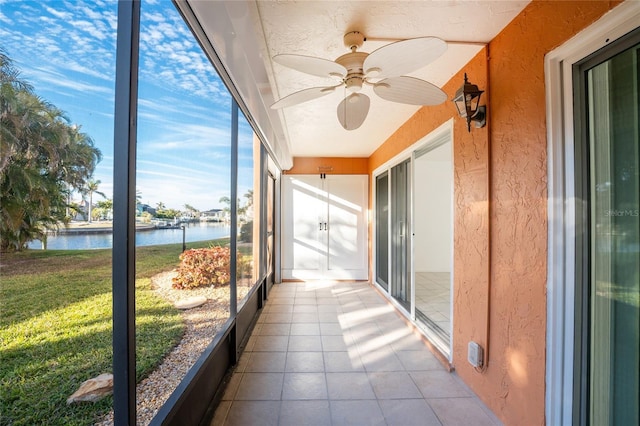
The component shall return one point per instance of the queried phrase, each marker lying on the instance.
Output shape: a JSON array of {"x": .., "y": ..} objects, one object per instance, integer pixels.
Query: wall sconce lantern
[{"x": 467, "y": 102}]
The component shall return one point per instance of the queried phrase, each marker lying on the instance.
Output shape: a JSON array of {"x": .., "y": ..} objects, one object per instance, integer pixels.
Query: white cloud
[
  {"x": 184, "y": 132},
  {"x": 54, "y": 79},
  {"x": 4, "y": 18},
  {"x": 173, "y": 59},
  {"x": 59, "y": 34},
  {"x": 152, "y": 16},
  {"x": 87, "y": 70},
  {"x": 176, "y": 110},
  {"x": 91, "y": 13},
  {"x": 58, "y": 13},
  {"x": 93, "y": 28}
]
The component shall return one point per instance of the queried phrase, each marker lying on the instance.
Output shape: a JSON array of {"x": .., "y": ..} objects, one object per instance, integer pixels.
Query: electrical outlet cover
[{"x": 475, "y": 354}]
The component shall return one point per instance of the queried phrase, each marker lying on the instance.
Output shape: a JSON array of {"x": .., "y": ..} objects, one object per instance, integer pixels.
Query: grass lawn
[{"x": 56, "y": 323}]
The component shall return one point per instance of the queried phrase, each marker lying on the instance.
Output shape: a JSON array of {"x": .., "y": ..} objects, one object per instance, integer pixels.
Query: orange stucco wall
[
  {"x": 329, "y": 165},
  {"x": 500, "y": 224}
]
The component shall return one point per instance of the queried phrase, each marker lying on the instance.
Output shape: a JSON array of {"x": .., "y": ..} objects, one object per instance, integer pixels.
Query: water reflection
[{"x": 194, "y": 232}]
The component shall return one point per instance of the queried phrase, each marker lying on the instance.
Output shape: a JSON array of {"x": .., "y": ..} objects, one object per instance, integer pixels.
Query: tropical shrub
[
  {"x": 246, "y": 232},
  {"x": 202, "y": 267},
  {"x": 245, "y": 267}
]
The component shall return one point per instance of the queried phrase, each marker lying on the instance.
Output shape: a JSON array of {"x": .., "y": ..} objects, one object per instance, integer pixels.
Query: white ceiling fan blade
[
  {"x": 303, "y": 96},
  {"x": 403, "y": 57},
  {"x": 353, "y": 110},
  {"x": 409, "y": 90},
  {"x": 312, "y": 65}
]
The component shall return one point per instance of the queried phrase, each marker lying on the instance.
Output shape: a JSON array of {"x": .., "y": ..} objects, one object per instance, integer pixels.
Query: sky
[{"x": 66, "y": 50}]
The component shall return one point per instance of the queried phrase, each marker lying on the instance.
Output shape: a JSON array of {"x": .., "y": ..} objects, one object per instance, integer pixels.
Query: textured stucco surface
[
  {"x": 329, "y": 165},
  {"x": 513, "y": 385},
  {"x": 500, "y": 224}
]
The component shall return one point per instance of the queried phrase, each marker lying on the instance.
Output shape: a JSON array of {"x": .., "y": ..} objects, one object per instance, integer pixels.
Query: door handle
[
  {"x": 320, "y": 226},
  {"x": 325, "y": 226}
]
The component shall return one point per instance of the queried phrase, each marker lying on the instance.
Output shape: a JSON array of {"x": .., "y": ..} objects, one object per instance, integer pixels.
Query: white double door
[{"x": 324, "y": 227}]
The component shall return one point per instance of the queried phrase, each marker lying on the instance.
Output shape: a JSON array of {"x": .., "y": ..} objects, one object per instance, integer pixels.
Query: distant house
[
  {"x": 189, "y": 215},
  {"x": 214, "y": 215},
  {"x": 141, "y": 208},
  {"x": 81, "y": 211}
]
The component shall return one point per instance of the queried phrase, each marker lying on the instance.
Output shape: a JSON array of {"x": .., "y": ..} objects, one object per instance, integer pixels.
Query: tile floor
[
  {"x": 433, "y": 298},
  {"x": 327, "y": 353}
]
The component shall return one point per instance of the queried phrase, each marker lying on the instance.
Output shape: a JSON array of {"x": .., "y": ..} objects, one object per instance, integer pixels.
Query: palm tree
[
  {"x": 227, "y": 202},
  {"x": 41, "y": 158},
  {"x": 92, "y": 186},
  {"x": 249, "y": 196},
  {"x": 227, "y": 209}
]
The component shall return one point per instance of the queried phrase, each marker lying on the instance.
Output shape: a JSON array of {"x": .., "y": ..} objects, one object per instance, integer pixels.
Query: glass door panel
[
  {"x": 382, "y": 230},
  {"x": 432, "y": 240},
  {"x": 400, "y": 247},
  {"x": 613, "y": 272}
]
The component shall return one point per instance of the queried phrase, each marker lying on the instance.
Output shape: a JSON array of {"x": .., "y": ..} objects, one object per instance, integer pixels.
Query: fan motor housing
[
  {"x": 353, "y": 62},
  {"x": 353, "y": 40}
]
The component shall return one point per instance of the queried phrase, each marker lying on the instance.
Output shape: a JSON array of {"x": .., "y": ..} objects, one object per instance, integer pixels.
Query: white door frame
[{"x": 561, "y": 202}]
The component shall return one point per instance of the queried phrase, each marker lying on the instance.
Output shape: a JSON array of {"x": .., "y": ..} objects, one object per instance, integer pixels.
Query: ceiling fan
[{"x": 383, "y": 69}]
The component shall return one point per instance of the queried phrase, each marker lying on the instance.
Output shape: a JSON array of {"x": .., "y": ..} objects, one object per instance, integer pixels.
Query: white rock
[
  {"x": 93, "y": 390},
  {"x": 192, "y": 302}
]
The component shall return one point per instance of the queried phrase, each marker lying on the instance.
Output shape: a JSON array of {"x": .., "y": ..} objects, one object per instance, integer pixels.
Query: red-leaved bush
[{"x": 201, "y": 267}]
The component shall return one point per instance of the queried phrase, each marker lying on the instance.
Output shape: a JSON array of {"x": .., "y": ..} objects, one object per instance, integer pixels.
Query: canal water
[{"x": 199, "y": 231}]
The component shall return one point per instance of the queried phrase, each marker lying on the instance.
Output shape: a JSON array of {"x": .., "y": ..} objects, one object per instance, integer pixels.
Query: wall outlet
[{"x": 475, "y": 355}]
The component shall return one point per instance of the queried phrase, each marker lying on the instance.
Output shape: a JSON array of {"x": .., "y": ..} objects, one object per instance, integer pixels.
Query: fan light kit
[{"x": 383, "y": 69}]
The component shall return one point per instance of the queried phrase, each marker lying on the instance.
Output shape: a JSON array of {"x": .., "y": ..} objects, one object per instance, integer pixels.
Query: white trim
[
  {"x": 411, "y": 234},
  {"x": 561, "y": 202},
  {"x": 440, "y": 131}
]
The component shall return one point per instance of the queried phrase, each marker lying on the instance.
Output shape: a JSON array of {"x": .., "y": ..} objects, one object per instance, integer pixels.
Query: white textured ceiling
[{"x": 316, "y": 28}]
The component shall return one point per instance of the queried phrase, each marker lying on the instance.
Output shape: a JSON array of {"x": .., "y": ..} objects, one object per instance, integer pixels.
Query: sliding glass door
[
  {"x": 608, "y": 154},
  {"x": 414, "y": 234}
]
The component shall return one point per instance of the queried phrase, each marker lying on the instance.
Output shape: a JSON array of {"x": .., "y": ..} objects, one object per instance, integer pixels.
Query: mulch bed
[{"x": 201, "y": 325}]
